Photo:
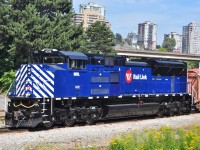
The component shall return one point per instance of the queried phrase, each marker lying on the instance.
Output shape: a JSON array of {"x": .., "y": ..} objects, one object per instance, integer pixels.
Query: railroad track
[{"x": 4, "y": 129}]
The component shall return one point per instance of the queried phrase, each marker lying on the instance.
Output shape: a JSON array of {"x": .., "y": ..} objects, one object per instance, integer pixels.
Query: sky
[{"x": 169, "y": 15}]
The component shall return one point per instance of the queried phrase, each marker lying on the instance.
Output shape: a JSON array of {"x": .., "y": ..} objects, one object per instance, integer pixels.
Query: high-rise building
[
  {"x": 89, "y": 14},
  {"x": 177, "y": 38},
  {"x": 93, "y": 7},
  {"x": 147, "y": 35},
  {"x": 191, "y": 38},
  {"x": 132, "y": 37}
]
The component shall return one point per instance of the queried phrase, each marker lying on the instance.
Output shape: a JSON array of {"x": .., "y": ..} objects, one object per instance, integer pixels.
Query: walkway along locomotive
[{"x": 66, "y": 87}]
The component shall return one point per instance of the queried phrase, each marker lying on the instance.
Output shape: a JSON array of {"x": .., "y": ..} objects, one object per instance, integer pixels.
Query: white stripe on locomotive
[
  {"x": 22, "y": 92},
  {"x": 37, "y": 86},
  {"x": 43, "y": 73},
  {"x": 35, "y": 75},
  {"x": 19, "y": 72},
  {"x": 36, "y": 95},
  {"x": 22, "y": 76},
  {"x": 20, "y": 87},
  {"x": 42, "y": 87},
  {"x": 51, "y": 74}
]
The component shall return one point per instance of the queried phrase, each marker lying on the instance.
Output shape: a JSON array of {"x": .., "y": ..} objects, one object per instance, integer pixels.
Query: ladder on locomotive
[{"x": 47, "y": 110}]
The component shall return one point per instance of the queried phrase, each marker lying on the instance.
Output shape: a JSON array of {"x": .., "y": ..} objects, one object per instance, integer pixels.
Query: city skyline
[{"x": 170, "y": 16}]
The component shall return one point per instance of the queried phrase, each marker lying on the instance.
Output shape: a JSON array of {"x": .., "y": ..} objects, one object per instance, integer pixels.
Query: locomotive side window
[
  {"x": 71, "y": 63},
  {"x": 97, "y": 60},
  {"x": 53, "y": 60},
  {"x": 92, "y": 61},
  {"x": 76, "y": 64},
  {"x": 109, "y": 61},
  {"x": 116, "y": 62}
]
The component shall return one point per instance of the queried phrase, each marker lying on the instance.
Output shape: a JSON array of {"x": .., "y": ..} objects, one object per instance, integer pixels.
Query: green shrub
[
  {"x": 165, "y": 138},
  {"x": 6, "y": 80}
]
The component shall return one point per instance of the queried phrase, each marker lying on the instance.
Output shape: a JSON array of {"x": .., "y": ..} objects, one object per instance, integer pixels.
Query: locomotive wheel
[
  {"x": 48, "y": 125},
  {"x": 90, "y": 119},
  {"x": 171, "y": 112},
  {"x": 48, "y": 122},
  {"x": 69, "y": 121},
  {"x": 180, "y": 111},
  {"x": 187, "y": 112},
  {"x": 160, "y": 113}
]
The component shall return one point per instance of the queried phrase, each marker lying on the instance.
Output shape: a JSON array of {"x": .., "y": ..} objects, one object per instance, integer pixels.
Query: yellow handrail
[{"x": 24, "y": 105}]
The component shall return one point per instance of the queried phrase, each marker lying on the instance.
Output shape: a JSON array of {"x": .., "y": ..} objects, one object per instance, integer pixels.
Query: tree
[
  {"x": 118, "y": 39},
  {"x": 141, "y": 45},
  {"x": 158, "y": 46},
  {"x": 192, "y": 64},
  {"x": 43, "y": 24},
  {"x": 100, "y": 38},
  {"x": 79, "y": 42},
  {"x": 29, "y": 25},
  {"x": 28, "y": 31},
  {"x": 6, "y": 80},
  {"x": 6, "y": 61},
  {"x": 128, "y": 41},
  {"x": 169, "y": 44},
  {"x": 162, "y": 50}
]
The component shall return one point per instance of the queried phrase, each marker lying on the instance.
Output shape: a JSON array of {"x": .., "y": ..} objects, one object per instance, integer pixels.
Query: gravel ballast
[{"x": 87, "y": 136}]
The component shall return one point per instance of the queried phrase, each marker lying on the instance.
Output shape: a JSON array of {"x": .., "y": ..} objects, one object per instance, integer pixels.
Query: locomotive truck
[{"x": 68, "y": 87}]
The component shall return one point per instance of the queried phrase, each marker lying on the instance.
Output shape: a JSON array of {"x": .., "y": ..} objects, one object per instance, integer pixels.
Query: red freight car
[{"x": 194, "y": 85}]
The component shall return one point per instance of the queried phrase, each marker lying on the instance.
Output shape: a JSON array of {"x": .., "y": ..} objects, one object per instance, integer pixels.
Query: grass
[{"x": 165, "y": 138}]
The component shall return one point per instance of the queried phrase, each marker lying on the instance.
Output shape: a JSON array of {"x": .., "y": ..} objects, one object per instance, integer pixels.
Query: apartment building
[
  {"x": 93, "y": 7},
  {"x": 132, "y": 36},
  {"x": 177, "y": 38},
  {"x": 191, "y": 38},
  {"x": 147, "y": 35},
  {"x": 89, "y": 14}
]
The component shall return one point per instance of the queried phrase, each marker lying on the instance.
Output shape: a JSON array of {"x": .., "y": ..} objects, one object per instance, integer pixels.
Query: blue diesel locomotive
[{"x": 66, "y": 87}]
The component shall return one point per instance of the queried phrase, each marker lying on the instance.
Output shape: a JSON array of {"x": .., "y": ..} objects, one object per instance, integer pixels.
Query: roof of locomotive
[
  {"x": 143, "y": 62},
  {"x": 168, "y": 63},
  {"x": 74, "y": 55}
]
